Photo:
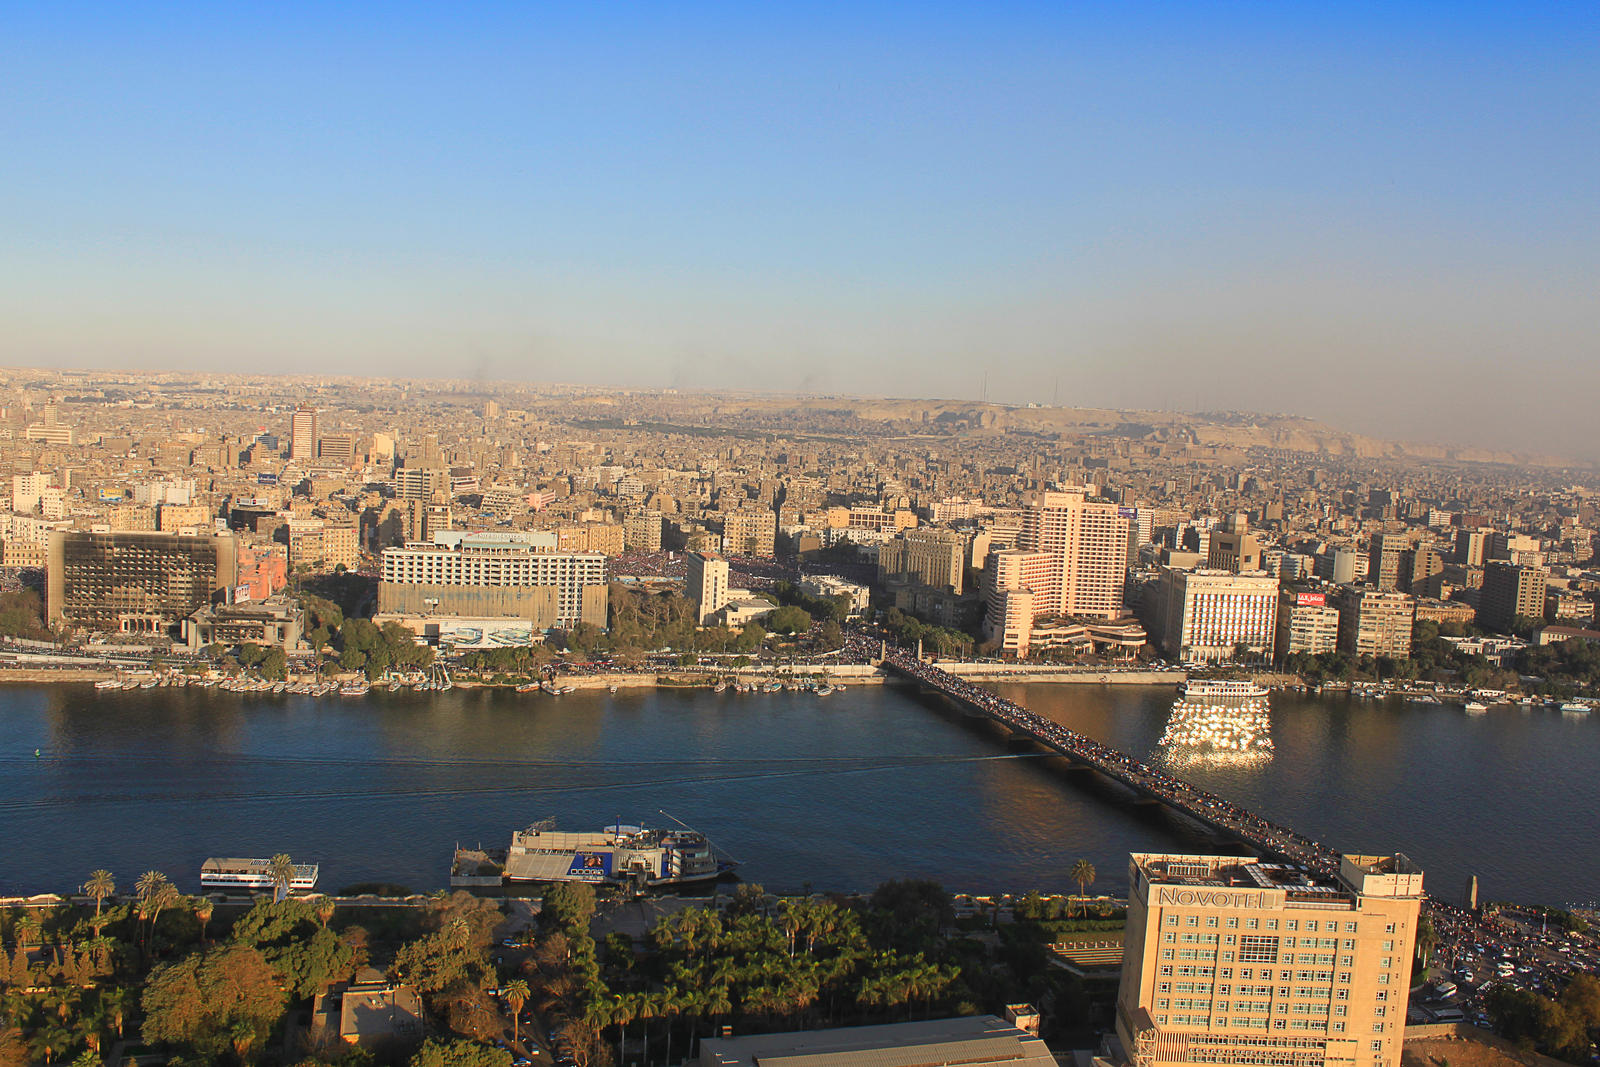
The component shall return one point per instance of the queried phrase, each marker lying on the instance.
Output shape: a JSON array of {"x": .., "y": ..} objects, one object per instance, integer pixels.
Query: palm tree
[
  {"x": 516, "y": 993},
  {"x": 26, "y": 930},
  {"x": 281, "y": 869},
  {"x": 203, "y": 907},
  {"x": 99, "y": 886},
  {"x": 164, "y": 897},
  {"x": 149, "y": 883},
  {"x": 1083, "y": 873},
  {"x": 1427, "y": 939},
  {"x": 325, "y": 909}
]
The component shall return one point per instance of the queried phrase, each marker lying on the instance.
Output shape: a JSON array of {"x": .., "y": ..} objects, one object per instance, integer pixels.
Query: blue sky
[{"x": 1362, "y": 213}]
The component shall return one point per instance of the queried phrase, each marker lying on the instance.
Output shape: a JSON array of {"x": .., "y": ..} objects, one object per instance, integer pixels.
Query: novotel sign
[{"x": 1216, "y": 898}]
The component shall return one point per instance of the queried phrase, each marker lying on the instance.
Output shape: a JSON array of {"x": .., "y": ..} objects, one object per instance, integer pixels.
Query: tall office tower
[
  {"x": 1207, "y": 616},
  {"x": 1383, "y": 561},
  {"x": 144, "y": 583},
  {"x": 708, "y": 584},
  {"x": 1509, "y": 591},
  {"x": 1090, "y": 540},
  {"x": 303, "y": 435},
  {"x": 1231, "y": 960},
  {"x": 1374, "y": 623},
  {"x": 1071, "y": 560}
]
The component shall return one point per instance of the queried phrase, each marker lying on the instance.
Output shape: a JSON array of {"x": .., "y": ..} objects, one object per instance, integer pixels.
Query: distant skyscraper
[{"x": 303, "y": 435}]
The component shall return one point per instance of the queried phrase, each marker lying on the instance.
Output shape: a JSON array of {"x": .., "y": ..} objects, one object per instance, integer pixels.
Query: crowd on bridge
[
  {"x": 1197, "y": 803},
  {"x": 1458, "y": 930}
]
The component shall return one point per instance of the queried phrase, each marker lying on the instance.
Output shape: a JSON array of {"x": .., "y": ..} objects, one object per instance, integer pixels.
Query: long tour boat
[{"x": 235, "y": 873}]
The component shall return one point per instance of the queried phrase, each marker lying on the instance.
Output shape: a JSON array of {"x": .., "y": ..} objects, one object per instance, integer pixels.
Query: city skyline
[{"x": 1380, "y": 220}]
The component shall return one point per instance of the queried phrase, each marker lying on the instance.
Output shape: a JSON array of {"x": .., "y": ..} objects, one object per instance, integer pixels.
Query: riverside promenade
[{"x": 1206, "y": 808}]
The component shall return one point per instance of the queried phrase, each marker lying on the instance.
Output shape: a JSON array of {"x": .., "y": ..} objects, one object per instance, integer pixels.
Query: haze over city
[{"x": 1383, "y": 218}]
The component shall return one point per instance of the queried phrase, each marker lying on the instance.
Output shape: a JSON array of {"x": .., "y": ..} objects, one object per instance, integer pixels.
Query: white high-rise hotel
[{"x": 1071, "y": 560}]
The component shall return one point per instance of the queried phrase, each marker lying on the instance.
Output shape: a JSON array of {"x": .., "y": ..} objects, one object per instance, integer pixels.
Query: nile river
[{"x": 841, "y": 792}]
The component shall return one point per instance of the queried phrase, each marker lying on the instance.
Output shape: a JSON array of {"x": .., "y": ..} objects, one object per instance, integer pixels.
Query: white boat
[
  {"x": 108, "y": 683},
  {"x": 234, "y": 873},
  {"x": 1476, "y": 707},
  {"x": 359, "y": 689},
  {"x": 1572, "y": 707},
  {"x": 1222, "y": 689}
]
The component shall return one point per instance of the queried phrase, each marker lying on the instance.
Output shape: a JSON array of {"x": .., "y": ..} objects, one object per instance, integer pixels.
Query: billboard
[
  {"x": 1128, "y": 513},
  {"x": 485, "y": 633},
  {"x": 590, "y": 867},
  {"x": 266, "y": 478},
  {"x": 1310, "y": 600},
  {"x": 110, "y": 496}
]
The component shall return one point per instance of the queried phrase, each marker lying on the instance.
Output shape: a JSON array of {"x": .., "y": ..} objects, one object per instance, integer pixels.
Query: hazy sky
[{"x": 1386, "y": 216}]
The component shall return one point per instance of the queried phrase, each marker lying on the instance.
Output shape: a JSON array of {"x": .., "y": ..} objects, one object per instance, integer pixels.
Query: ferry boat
[
  {"x": 1572, "y": 707},
  {"x": 1222, "y": 689},
  {"x": 618, "y": 855},
  {"x": 234, "y": 873}
]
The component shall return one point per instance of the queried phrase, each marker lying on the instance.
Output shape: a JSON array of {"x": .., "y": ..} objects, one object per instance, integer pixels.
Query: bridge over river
[{"x": 1208, "y": 809}]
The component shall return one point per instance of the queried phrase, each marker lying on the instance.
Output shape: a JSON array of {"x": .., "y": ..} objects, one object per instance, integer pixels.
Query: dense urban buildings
[
  {"x": 1235, "y": 960},
  {"x": 1020, "y": 527}
]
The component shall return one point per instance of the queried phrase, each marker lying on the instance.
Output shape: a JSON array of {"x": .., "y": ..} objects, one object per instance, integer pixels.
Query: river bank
[{"x": 848, "y": 674}]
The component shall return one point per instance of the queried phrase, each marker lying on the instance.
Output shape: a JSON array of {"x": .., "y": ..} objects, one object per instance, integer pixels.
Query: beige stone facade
[{"x": 1232, "y": 960}]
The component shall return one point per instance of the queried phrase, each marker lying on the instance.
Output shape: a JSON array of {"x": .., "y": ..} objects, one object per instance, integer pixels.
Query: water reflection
[{"x": 1216, "y": 734}]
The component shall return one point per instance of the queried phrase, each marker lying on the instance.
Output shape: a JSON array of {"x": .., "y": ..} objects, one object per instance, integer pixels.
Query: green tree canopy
[
  {"x": 435, "y": 1053},
  {"x": 202, "y": 1002}
]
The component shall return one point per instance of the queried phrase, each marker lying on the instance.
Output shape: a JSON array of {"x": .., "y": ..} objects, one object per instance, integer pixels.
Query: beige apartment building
[
  {"x": 1306, "y": 623},
  {"x": 1232, "y": 960},
  {"x": 1373, "y": 623},
  {"x": 749, "y": 532},
  {"x": 936, "y": 558}
]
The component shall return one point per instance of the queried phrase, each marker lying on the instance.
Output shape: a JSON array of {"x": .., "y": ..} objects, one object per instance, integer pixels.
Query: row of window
[{"x": 1310, "y": 926}]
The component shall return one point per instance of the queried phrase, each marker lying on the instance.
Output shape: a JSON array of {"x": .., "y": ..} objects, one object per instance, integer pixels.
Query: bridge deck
[{"x": 1203, "y": 807}]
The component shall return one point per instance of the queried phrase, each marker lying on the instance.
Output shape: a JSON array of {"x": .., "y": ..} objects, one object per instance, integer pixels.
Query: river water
[{"x": 841, "y": 792}]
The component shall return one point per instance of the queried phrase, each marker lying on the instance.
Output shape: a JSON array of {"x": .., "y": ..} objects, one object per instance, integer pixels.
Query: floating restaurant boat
[
  {"x": 619, "y": 855},
  {"x": 233, "y": 873},
  {"x": 1216, "y": 689}
]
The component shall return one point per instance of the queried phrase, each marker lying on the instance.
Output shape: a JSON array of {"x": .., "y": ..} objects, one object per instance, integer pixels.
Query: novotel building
[{"x": 1232, "y": 960}]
